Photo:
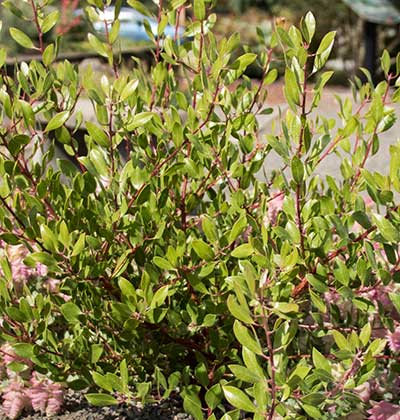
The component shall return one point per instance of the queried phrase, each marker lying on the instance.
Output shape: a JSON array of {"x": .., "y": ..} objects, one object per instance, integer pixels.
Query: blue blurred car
[{"x": 132, "y": 25}]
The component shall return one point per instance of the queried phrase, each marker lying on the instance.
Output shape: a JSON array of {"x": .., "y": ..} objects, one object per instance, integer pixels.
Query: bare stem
[{"x": 38, "y": 28}]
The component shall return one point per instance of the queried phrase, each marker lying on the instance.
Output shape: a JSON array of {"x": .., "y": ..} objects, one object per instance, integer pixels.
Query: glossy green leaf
[
  {"x": 21, "y": 38},
  {"x": 57, "y": 121},
  {"x": 386, "y": 228},
  {"x": 324, "y": 51},
  {"x": 238, "y": 399},
  {"x": 243, "y": 251},
  {"x": 246, "y": 338},
  {"x": 240, "y": 312},
  {"x": 203, "y": 250},
  {"x": 97, "y": 134}
]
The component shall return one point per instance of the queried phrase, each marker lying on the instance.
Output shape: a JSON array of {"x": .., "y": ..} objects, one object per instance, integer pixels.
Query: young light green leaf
[
  {"x": 246, "y": 338},
  {"x": 57, "y": 121},
  {"x": 101, "y": 399},
  {"x": 199, "y": 9},
  {"x": 21, "y": 38},
  {"x": 102, "y": 382},
  {"x": 203, "y": 250},
  {"x": 386, "y": 228},
  {"x": 320, "y": 361},
  {"x": 341, "y": 340},
  {"x": 297, "y": 170},
  {"x": 98, "y": 46},
  {"x": 162, "y": 263},
  {"x": 237, "y": 228},
  {"x": 243, "y": 251},
  {"x": 49, "y": 21},
  {"x": 365, "y": 334},
  {"x": 385, "y": 62},
  {"x": 324, "y": 50},
  {"x": 308, "y": 27},
  {"x": 97, "y": 134},
  {"x": 240, "y": 312}
]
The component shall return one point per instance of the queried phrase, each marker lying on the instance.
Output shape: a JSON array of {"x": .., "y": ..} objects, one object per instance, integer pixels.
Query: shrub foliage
[{"x": 164, "y": 257}]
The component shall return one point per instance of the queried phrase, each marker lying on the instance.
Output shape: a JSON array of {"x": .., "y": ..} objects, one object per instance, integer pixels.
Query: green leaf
[
  {"x": 96, "y": 350},
  {"x": 192, "y": 403},
  {"x": 286, "y": 307},
  {"x": 365, "y": 334},
  {"x": 297, "y": 170},
  {"x": 240, "y": 312},
  {"x": 214, "y": 396},
  {"x": 159, "y": 297},
  {"x": 341, "y": 340},
  {"x": 114, "y": 32},
  {"x": 102, "y": 381},
  {"x": 386, "y": 228},
  {"x": 126, "y": 287},
  {"x": 24, "y": 350},
  {"x": 244, "y": 374},
  {"x": 79, "y": 245},
  {"x": 201, "y": 374},
  {"x": 70, "y": 312},
  {"x": 97, "y": 134},
  {"x": 162, "y": 263},
  {"x": 209, "y": 229},
  {"x": 251, "y": 362},
  {"x": 243, "y": 251},
  {"x": 101, "y": 399},
  {"x": 238, "y": 399},
  {"x": 237, "y": 228},
  {"x": 291, "y": 89},
  {"x": 21, "y": 38},
  {"x": 98, "y": 46},
  {"x": 270, "y": 77},
  {"x": 129, "y": 89},
  {"x": 140, "y": 120},
  {"x": 312, "y": 411},
  {"x": 242, "y": 62},
  {"x": 385, "y": 62},
  {"x": 308, "y": 27},
  {"x": 57, "y": 121},
  {"x": 324, "y": 50},
  {"x": 49, "y": 21},
  {"x": 320, "y": 361},
  {"x": 203, "y": 250},
  {"x": 395, "y": 298},
  {"x": 245, "y": 338},
  {"x": 199, "y": 9}
]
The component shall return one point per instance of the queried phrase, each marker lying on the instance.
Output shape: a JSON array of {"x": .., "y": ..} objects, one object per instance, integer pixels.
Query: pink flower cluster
[
  {"x": 28, "y": 390},
  {"x": 21, "y": 273},
  {"x": 384, "y": 410},
  {"x": 275, "y": 206},
  {"x": 393, "y": 339}
]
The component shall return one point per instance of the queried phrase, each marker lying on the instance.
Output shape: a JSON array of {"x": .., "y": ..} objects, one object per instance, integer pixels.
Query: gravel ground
[{"x": 77, "y": 408}]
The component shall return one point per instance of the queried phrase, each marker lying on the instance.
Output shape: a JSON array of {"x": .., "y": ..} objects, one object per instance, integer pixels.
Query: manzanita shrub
[{"x": 165, "y": 258}]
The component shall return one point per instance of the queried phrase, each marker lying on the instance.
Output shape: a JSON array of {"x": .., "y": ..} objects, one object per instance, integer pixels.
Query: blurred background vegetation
[{"x": 242, "y": 16}]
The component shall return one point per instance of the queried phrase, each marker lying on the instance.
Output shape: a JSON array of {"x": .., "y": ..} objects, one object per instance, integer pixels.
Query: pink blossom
[
  {"x": 46, "y": 396},
  {"x": 364, "y": 391},
  {"x": 274, "y": 207},
  {"x": 378, "y": 294},
  {"x": 15, "y": 399},
  {"x": 384, "y": 411},
  {"x": 394, "y": 339}
]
